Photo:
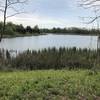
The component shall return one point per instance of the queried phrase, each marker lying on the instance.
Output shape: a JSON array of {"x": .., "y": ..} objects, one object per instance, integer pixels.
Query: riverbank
[
  {"x": 50, "y": 85},
  {"x": 13, "y": 30},
  {"x": 23, "y": 35},
  {"x": 36, "y": 34}
]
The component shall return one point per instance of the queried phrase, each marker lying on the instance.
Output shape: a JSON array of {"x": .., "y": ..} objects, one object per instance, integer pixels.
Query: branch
[
  {"x": 89, "y": 2},
  {"x": 17, "y": 2},
  {"x": 86, "y": 4},
  {"x": 2, "y": 6},
  {"x": 91, "y": 6},
  {"x": 1, "y": 10},
  {"x": 14, "y": 9},
  {"x": 93, "y": 20},
  {"x": 14, "y": 14}
]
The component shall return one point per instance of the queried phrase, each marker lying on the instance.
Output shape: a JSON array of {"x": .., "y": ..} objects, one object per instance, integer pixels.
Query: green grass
[{"x": 50, "y": 85}]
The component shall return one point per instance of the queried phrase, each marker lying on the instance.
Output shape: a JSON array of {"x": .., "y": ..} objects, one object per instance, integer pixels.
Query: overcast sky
[{"x": 52, "y": 13}]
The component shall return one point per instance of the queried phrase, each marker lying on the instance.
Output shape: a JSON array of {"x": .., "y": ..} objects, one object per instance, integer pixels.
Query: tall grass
[{"x": 62, "y": 58}]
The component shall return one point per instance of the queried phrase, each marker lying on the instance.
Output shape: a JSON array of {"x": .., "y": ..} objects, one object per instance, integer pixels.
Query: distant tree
[
  {"x": 20, "y": 29},
  {"x": 36, "y": 29},
  {"x": 5, "y": 5},
  {"x": 28, "y": 29},
  {"x": 54, "y": 30}
]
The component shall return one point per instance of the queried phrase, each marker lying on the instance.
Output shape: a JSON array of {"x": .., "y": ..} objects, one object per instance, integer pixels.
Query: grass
[{"x": 50, "y": 85}]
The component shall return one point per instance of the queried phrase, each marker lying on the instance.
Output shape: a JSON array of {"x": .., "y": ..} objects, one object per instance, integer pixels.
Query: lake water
[{"x": 50, "y": 40}]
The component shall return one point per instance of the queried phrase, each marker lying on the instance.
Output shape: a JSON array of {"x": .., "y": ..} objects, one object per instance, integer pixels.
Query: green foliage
[
  {"x": 14, "y": 30},
  {"x": 36, "y": 29},
  {"x": 50, "y": 85},
  {"x": 73, "y": 30},
  {"x": 20, "y": 29}
]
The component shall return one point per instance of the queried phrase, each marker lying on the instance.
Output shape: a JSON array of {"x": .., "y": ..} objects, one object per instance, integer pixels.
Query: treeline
[
  {"x": 61, "y": 58},
  {"x": 73, "y": 30},
  {"x": 13, "y": 29}
]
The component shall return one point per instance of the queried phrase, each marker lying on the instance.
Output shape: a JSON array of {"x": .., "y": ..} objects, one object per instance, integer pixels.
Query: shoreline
[
  {"x": 35, "y": 34},
  {"x": 21, "y": 35}
]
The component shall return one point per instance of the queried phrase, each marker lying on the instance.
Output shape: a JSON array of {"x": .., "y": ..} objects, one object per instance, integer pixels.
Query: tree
[
  {"x": 5, "y": 6},
  {"x": 94, "y": 5},
  {"x": 36, "y": 29},
  {"x": 28, "y": 29},
  {"x": 20, "y": 29}
]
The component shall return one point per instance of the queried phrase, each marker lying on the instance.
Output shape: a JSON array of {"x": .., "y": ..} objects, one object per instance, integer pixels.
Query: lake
[{"x": 49, "y": 41}]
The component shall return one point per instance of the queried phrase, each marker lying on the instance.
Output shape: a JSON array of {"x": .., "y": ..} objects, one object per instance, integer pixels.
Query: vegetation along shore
[
  {"x": 62, "y": 58},
  {"x": 13, "y": 30}
]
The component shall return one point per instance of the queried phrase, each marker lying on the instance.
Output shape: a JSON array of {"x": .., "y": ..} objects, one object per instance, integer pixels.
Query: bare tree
[
  {"x": 6, "y": 5},
  {"x": 93, "y": 5}
]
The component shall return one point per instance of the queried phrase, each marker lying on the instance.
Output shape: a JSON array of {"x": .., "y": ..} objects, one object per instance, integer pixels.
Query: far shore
[
  {"x": 38, "y": 34},
  {"x": 22, "y": 35}
]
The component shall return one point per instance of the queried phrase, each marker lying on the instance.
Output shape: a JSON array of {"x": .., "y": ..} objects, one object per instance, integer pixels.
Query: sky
[{"x": 51, "y": 13}]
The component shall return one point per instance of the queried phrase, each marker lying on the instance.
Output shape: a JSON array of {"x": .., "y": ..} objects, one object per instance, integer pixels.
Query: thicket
[{"x": 61, "y": 58}]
